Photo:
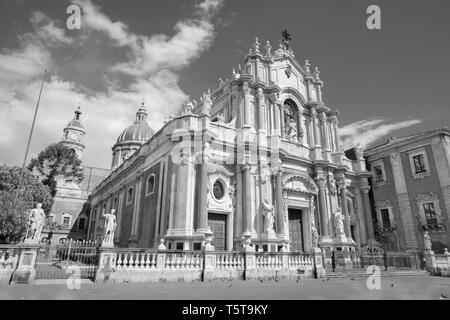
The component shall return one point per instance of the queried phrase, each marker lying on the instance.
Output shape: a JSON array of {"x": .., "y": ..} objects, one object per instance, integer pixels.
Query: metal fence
[{"x": 79, "y": 258}]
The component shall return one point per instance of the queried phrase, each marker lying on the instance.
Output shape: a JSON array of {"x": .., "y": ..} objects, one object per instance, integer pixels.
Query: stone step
[{"x": 359, "y": 274}]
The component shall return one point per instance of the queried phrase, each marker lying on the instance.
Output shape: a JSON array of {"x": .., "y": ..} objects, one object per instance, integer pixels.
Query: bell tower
[{"x": 73, "y": 134}]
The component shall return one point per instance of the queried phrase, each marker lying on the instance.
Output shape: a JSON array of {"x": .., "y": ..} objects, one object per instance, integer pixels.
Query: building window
[
  {"x": 379, "y": 173},
  {"x": 385, "y": 215},
  {"x": 66, "y": 221},
  {"x": 379, "y": 177},
  {"x": 420, "y": 167},
  {"x": 150, "y": 185},
  {"x": 385, "y": 218},
  {"x": 218, "y": 190},
  {"x": 130, "y": 195},
  {"x": 81, "y": 223},
  {"x": 430, "y": 213},
  {"x": 419, "y": 164}
]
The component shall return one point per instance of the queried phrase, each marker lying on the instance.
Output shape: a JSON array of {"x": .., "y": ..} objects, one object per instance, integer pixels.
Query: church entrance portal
[
  {"x": 218, "y": 224},
  {"x": 295, "y": 230}
]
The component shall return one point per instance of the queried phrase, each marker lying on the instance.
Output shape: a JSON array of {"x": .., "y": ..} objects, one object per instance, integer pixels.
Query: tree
[
  {"x": 14, "y": 212},
  {"x": 57, "y": 161}
]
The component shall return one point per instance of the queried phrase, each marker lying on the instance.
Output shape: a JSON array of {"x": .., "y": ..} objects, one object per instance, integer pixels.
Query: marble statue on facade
[
  {"x": 292, "y": 130},
  {"x": 339, "y": 224},
  {"x": 35, "y": 224},
  {"x": 207, "y": 104},
  {"x": 427, "y": 241},
  {"x": 110, "y": 228},
  {"x": 268, "y": 217}
]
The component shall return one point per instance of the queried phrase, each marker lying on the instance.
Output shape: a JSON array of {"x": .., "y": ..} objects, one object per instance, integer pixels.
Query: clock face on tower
[{"x": 74, "y": 136}]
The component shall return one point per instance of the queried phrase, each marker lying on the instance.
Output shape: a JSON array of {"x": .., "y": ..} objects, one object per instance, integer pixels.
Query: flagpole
[{"x": 29, "y": 140}]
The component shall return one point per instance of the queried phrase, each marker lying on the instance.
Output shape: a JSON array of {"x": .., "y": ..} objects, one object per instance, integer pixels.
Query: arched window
[
  {"x": 290, "y": 121},
  {"x": 130, "y": 195},
  {"x": 150, "y": 185}
]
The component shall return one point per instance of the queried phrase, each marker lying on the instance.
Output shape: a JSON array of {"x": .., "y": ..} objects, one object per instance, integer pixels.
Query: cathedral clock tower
[{"x": 73, "y": 136}]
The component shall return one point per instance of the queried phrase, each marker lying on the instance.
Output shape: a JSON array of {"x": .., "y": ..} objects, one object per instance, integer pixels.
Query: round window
[{"x": 218, "y": 190}]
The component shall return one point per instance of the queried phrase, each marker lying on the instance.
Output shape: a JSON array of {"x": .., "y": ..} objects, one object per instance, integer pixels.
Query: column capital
[
  {"x": 365, "y": 189},
  {"x": 342, "y": 184},
  {"x": 320, "y": 181}
]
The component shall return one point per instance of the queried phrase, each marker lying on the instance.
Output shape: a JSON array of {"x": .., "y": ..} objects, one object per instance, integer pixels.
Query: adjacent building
[
  {"x": 71, "y": 207},
  {"x": 411, "y": 190}
]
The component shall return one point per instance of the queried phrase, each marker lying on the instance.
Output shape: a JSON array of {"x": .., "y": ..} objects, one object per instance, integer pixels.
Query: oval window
[{"x": 218, "y": 190}]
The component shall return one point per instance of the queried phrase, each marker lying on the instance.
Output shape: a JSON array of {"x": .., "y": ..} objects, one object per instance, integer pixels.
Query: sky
[{"x": 388, "y": 82}]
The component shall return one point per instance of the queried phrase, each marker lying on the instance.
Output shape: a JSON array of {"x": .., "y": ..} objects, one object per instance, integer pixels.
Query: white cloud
[
  {"x": 365, "y": 132},
  {"x": 151, "y": 70}
]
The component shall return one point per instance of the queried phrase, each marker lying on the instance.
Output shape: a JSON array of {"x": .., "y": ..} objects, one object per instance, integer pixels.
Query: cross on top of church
[
  {"x": 78, "y": 112},
  {"x": 286, "y": 36}
]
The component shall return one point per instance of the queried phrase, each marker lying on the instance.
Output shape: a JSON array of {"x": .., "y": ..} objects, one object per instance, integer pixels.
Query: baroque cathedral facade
[{"x": 255, "y": 164}]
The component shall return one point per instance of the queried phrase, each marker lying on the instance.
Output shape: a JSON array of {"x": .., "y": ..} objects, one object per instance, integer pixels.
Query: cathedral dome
[
  {"x": 132, "y": 138},
  {"x": 137, "y": 132}
]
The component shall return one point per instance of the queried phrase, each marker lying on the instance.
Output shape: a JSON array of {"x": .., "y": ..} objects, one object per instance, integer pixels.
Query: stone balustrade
[
  {"x": 183, "y": 260},
  {"x": 269, "y": 261},
  {"x": 135, "y": 260},
  {"x": 300, "y": 261},
  {"x": 229, "y": 260}
]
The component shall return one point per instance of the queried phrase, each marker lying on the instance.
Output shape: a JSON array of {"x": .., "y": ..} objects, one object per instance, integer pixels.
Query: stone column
[
  {"x": 275, "y": 114},
  {"x": 315, "y": 127},
  {"x": 300, "y": 125},
  {"x": 246, "y": 90},
  {"x": 281, "y": 112},
  {"x": 202, "y": 218},
  {"x": 132, "y": 241},
  {"x": 368, "y": 213},
  {"x": 321, "y": 181},
  {"x": 261, "y": 110},
  {"x": 334, "y": 125},
  {"x": 281, "y": 231},
  {"x": 343, "y": 193},
  {"x": 248, "y": 228},
  {"x": 361, "y": 217},
  {"x": 119, "y": 216}
]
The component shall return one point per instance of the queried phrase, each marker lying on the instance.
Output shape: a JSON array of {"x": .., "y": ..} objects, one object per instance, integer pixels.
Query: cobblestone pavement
[{"x": 407, "y": 287}]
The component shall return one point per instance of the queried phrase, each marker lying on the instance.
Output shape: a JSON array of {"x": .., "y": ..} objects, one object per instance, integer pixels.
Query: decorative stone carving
[
  {"x": 220, "y": 176},
  {"x": 300, "y": 183},
  {"x": 162, "y": 246},
  {"x": 332, "y": 185}
]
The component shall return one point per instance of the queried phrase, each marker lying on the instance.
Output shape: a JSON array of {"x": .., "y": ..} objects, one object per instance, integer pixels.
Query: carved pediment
[{"x": 300, "y": 183}]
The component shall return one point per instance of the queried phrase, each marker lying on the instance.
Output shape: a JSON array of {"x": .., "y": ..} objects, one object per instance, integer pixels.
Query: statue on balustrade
[
  {"x": 427, "y": 241},
  {"x": 268, "y": 216},
  {"x": 110, "y": 228},
  {"x": 339, "y": 223},
  {"x": 35, "y": 224}
]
